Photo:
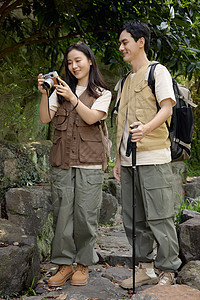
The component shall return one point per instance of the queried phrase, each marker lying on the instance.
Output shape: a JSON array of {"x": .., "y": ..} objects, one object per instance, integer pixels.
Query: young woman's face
[{"x": 79, "y": 66}]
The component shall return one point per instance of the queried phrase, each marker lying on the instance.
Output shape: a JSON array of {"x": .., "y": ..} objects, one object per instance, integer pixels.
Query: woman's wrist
[{"x": 75, "y": 101}]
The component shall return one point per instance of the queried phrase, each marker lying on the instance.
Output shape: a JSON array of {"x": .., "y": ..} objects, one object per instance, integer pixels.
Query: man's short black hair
[{"x": 138, "y": 30}]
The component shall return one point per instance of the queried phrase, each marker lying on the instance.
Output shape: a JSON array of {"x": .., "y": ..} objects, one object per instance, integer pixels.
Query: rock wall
[
  {"x": 30, "y": 208},
  {"x": 19, "y": 259},
  {"x": 22, "y": 165}
]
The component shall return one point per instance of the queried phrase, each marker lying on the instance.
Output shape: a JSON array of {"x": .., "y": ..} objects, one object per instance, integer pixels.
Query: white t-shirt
[
  {"x": 101, "y": 103},
  {"x": 163, "y": 90}
]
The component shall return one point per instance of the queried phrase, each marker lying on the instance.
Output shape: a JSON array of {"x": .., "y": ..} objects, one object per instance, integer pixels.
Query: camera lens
[{"x": 48, "y": 83}]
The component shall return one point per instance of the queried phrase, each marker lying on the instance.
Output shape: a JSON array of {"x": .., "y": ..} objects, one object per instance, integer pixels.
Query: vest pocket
[
  {"x": 91, "y": 148},
  {"x": 144, "y": 115},
  {"x": 141, "y": 85},
  {"x": 55, "y": 152},
  {"x": 145, "y": 103}
]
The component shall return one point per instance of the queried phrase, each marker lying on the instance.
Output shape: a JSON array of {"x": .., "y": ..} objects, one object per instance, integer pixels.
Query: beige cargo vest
[
  {"x": 75, "y": 142},
  {"x": 139, "y": 104}
]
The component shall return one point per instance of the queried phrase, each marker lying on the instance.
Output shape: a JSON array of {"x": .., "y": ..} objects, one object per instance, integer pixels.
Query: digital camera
[{"x": 50, "y": 79}]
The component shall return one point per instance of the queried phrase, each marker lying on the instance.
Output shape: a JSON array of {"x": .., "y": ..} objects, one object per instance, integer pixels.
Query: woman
[{"x": 76, "y": 157}]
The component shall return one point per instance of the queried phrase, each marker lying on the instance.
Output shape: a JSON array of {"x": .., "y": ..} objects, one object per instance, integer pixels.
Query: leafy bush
[{"x": 193, "y": 205}]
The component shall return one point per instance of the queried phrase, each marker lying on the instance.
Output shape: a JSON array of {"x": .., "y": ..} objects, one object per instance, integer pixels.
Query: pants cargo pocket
[
  {"x": 94, "y": 183},
  {"x": 158, "y": 194}
]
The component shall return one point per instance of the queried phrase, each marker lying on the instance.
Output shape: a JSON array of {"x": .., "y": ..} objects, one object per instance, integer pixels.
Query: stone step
[
  {"x": 105, "y": 278},
  {"x": 113, "y": 246},
  {"x": 175, "y": 292}
]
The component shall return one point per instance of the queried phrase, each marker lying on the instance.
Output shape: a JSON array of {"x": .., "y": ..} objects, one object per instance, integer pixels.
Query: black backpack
[{"x": 181, "y": 125}]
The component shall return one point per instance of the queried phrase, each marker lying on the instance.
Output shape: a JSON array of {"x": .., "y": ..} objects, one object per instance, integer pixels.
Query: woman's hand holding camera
[
  {"x": 61, "y": 89},
  {"x": 64, "y": 90},
  {"x": 40, "y": 82}
]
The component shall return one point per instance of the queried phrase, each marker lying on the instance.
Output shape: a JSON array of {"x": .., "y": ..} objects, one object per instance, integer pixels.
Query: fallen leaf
[
  {"x": 2, "y": 244},
  {"x": 106, "y": 266},
  {"x": 119, "y": 266},
  {"x": 62, "y": 296},
  {"x": 16, "y": 244},
  {"x": 40, "y": 281}
]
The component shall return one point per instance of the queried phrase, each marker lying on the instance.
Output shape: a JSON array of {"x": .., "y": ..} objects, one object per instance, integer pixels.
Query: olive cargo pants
[
  {"x": 156, "y": 236},
  {"x": 76, "y": 200}
]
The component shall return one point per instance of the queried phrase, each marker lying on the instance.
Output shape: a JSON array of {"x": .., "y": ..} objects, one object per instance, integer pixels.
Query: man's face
[{"x": 128, "y": 46}]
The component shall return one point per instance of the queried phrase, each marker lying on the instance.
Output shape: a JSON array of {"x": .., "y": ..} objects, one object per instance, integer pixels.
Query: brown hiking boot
[
  {"x": 144, "y": 274},
  {"x": 166, "y": 278},
  {"x": 63, "y": 274},
  {"x": 80, "y": 275}
]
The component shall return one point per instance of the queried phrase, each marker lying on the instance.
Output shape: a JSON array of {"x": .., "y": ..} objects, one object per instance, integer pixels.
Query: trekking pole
[
  {"x": 134, "y": 207},
  {"x": 131, "y": 147}
]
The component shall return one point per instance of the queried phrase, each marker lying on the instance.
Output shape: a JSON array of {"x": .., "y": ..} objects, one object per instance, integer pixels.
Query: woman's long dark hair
[{"x": 95, "y": 81}]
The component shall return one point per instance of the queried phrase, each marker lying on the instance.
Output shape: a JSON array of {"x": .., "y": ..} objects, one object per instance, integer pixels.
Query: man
[{"x": 156, "y": 239}]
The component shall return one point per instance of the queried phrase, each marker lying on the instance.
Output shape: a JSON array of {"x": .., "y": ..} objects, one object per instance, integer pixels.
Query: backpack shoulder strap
[
  {"x": 151, "y": 84},
  {"x": 116, "y": 107},
  {"x": 151, "y": 78}
]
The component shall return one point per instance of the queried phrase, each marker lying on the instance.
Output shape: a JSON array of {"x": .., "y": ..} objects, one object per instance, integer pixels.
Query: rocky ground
[{"x": 114, "y": 266}]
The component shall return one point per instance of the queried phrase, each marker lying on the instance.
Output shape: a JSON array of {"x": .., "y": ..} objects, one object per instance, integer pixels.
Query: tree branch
[
  {"x": 6, "y": 8},
  {"x": 31, "y": 41},
  {"x": 3, "y": 7}
]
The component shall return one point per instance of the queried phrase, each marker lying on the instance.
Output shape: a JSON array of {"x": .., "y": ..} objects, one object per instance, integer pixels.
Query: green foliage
[
  {"x": 27, "y": 172},
  {"x": 112, "y": 163},
  {"x": 13, "y": 296},
  {"x": 51, "y": 26},
  {"x": 14, "y": 97},
  {"x": 194, "y": 206},
  {"x": 30, "y": 291},
  {"x": 19, "y": 99},
  {"x": 36, "y": 36},
  {"x": 193, "y": 169},
  {"x": 194, "y": 162},
  {"x": 105, "y": 187}
]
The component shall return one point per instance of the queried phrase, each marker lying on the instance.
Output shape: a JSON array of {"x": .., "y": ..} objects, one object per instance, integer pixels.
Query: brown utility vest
[
  {"x": 75, "y": 142},
  {"x": 139, "y": 104}
]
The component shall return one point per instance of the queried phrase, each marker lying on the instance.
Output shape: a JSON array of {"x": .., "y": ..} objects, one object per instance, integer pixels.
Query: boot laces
[
  {"x": 81, "y": 268},
  {"x": 166, "y": 276},
  {"x": 62, "y": 269},
  {"x": 138, "y": 269}
]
